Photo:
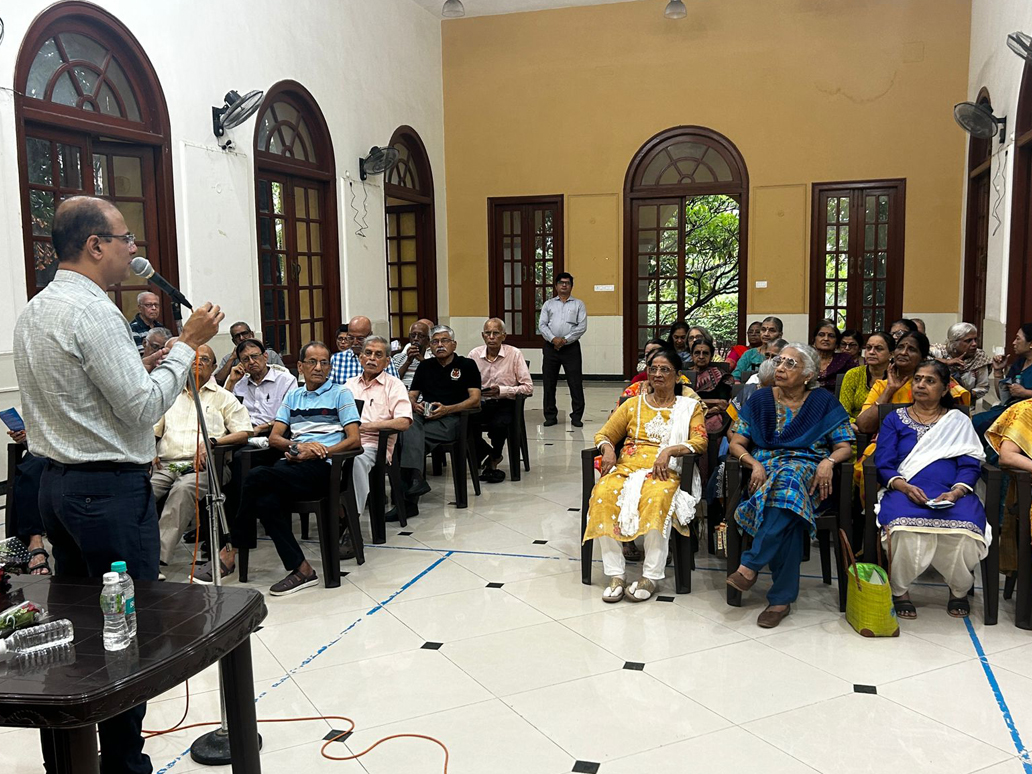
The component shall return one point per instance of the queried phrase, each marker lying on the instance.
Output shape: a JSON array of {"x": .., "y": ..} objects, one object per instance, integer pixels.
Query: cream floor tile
[
  {"x": 1012, "y": 766},
  {"x": 484, "y": 738},
  {"x": 465, "y": 614},
  {"x": 651, "y": 631},
  {"x": 560, "y": 596},
  {"x": 477, "y": 533},
  {"x": 391, "y": 688},
  {"x": 747, "y": 680},
  {"x": 934, "y": 625},
  {"x": 587, "y": 733},
  {"x": 533, "y": 657},
  {"x": 831, "y": 735},
  {"x": 394, "y": 572},
  {"x": 1016, "y": 660},
  {"x": 537, "y": 562}
]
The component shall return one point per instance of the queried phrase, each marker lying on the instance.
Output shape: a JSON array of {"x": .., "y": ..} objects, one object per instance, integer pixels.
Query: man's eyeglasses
[
  {"x": 243, "y": 335},
  {"x": 787, "y": 362},
  {"x": 205, "y": 360},
  {"x": 441, "y": 342},
  {"x": 129, "y": 237},
  {"x": 312, "y": 363},
  {"x": 251, "y": 358}
]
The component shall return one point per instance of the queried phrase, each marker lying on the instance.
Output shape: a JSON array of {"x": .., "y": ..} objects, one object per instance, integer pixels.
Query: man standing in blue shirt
[
  {"x": 563, "y": 321},
  {"x": 323, "y": 420}
]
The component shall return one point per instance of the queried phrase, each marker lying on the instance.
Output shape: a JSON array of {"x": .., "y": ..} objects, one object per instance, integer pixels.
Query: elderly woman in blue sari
[
  {"x": 929, "y": 461},
  {"x": 790, "y": 436}
]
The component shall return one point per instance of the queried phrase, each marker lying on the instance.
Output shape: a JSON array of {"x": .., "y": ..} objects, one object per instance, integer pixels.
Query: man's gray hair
[
  {"x": 778, "y": 344},
  {"x": 139, "y": 296},
  {"x": 442, "y": 329},
  {"x": 377, "y": 340},
  {"x": 498, "y": 320},
  {"x": 238, "y": 323},
  {"x": 811, "y": 362},
  {"x": 957, "y": 331},
  {"x": 164, "y": 333}
]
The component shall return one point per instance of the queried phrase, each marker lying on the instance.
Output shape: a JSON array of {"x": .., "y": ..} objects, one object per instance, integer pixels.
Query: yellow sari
[{"x": 1014, "y": 425}]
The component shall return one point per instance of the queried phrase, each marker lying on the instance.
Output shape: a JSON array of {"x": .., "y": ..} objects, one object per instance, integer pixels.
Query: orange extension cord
[{"x": 186, "y": 710}]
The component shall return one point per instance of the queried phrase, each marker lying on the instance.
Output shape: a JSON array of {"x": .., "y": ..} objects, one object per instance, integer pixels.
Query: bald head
[
  {"x": 428, "y": 323},
  {"x": 358, "y": 328},
  {"x": 75, "y": 220}
]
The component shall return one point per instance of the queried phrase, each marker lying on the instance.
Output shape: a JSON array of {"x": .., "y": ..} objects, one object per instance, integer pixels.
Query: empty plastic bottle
[
  {"x": 116, "y": 630},
  {"x": 36, "y": 639},
  {"x": 128, "y": 595}
]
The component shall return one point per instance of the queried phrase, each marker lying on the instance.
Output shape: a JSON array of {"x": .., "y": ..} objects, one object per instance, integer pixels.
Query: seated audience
[
  {"x": 1016, "y": 385},
  {"x": 789, "y": 438},
  {"x": 261, "y": 387},
  {"x": 442, "y": 389},
  {"x": 858, "y": 381},
  {"x": 771, "y": 328},
  {"x": 825, "y": 340},
  {"x": 697, "y": 333},
  {"x": 902, "y": 326},
  {"x": 678, "y": 339},
  {"x": 503, "y": 376},
  {"x": 639, "y": 491},
  {"x": 412, "y": 354},
  {"x": 343, "y": 339},
  {"x": 26, "y": 506},
  {"x": 852, "y": 343},
  {"x": 178, "y": 472},
  {"x": 752, "y": 336},
  {"x": 639, "y": 386},
  {"x": 385, "y": 406},
  {"x": 968, "y": 364},
  {"x": 155, "y": 340},
  {"x": 929, "y": 453},
  {"x": 650, "y": 346},
  {"x": 764, "y": 377},
  {"x": 919, "y": 324},
  {"x": 321, "y": 419},
  {"x": 770, "y": 351},
  {"x": 712, "y": 384},
  {"x": 238, "y": 332},
  {"x": 148, "y": 307},
  {"x": 346, "y": 364}
]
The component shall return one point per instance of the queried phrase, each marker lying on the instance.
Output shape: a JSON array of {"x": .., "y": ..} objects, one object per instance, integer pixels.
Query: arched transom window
[{"x": 282, "y": 131}]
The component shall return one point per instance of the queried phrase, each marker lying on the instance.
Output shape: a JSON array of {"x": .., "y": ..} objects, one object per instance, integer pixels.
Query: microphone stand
[{"x": 212, "y": 748}]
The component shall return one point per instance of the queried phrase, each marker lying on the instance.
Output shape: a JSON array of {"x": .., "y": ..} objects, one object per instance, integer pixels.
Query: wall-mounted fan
[
  {"x": 1020, "y": 44},
  {"x": 377, "y": 162},
  {"x": 979, "y": 120},
  {"x": 236, "y": 110}
]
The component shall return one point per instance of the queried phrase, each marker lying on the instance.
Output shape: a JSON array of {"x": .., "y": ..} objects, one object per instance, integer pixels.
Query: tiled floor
[{"x": 536, "y": 675}]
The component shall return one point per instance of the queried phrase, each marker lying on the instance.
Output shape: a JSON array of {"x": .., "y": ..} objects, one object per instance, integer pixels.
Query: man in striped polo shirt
[{"x": 323, "y": 420}]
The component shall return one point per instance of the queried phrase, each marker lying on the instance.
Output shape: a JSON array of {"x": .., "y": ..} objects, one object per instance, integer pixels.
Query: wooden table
[{"x": 182, "y": 629}]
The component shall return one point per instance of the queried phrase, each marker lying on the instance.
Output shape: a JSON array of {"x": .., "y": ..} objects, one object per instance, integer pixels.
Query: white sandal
[
  {"x": 614, "y": 592},
  {"x": 644, "y": 584}
]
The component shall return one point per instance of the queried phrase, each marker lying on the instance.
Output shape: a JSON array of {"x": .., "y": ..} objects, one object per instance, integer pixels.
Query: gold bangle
[{"x": 741, "y": 457}]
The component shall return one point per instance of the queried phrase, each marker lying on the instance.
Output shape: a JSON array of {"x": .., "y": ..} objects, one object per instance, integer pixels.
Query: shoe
[
  {"x": 204, "y": 575},
  {"x": 614, "y": 592},
  {"x": 551, "y": 422},
  {"x": 738, "y": 581},
  {"x": 419, "y": 488},
  {"x": 293, "y": 582},
  {"x": 347, "y": 551},
  {"x": 645, "y": 585},
  {"x": 161, "y": 576},
  {"x": 493, "y": 476},
  {"x": 769, "y": 618},
  {"x": 411, "y": 509},
  {"x": 576, "y": 423}
]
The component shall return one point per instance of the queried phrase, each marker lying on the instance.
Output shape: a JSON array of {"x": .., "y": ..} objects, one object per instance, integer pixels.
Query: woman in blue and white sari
[{"x": 791, "y": 436}]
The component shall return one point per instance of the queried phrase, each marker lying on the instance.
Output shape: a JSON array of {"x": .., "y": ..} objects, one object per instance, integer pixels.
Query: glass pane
[
  {"x": 409, "y": 301},
  {"x": 265, "y": 269},
  {"x": 646, "y": 241},
  {"x": 133, "y": 213},
  {"x": 69, "y": 166},
  {"x": 265, "y": 232},
  {"x": 869, "y": 237},
  {"x": 303, "y": 275},
  {"x": 879, "y": 295},
  {"x": 646, "y": 290},
  {"x": 87, "y": 79},
  {"x": 844, "y": 209},
  {"x": 843, "y": 267},
  {"x": 316, "y": 237},
  {"x": 830, "y": 260},
  {"x": 302, "y": 238},
  {"x": 64, "y": 91},
  {"x": 869, "y": 209},
  {"x": 843, "y": 238},
  {"x": 128, "y": 176},
  {"x": 313, "y": 204},
  {"x": 317, "y": 330},
  {"x": 80, "y": 47},
  {"x": 647, "y": 216},
  {"x": 409, "y": 277},
  {"x": 281, "y": 310},
  {"x": 107, "y": 103},
  {"x": 299, "y": 202},
  {"x": 408, "y": 250},
  {"x": 317, "y": 304},
  {"x": 281, "y": 235},
  {"x": 883, "y": 209},
  {"x": 306, "y": 304},
  {"x": 116, "y": 77},
  {"x": 668, "y": 214},
  {"x": 267, "y": 304},
  {"x": 879, "y": 319},
  {"x": 101, "y": 185},
  {"x": 46, "y": 262},
  {"x": 882, "y": 264},
  {"x": 277, "y": 198},
  {"x": 44, "y": 65},
  {"x": 38, "y": 161},
  {"x": 829, "y": 295},
  {"x": 408, "y": 224},
  {"x": 41, "y": 204},
  {"x": 317, "y": 272},
  {"x": 281, "y": 270},
  {"x": 831, "y": 238},
  {"x": 868, "y": 265},
  {"x": 832, "y": 210},
  {"x": 868, "y": 299},
  {"x": 883, "y": 237},
  {"x": 304, "y": 148}
]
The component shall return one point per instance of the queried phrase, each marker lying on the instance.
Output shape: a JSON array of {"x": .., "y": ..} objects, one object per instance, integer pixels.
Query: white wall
[
  {"x": 993, "y": 66},
  {"x": 372, "y": 65}
]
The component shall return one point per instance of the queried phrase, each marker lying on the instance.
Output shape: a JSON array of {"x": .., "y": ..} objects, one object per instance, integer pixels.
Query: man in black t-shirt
[{"x": 443, "y": 386}]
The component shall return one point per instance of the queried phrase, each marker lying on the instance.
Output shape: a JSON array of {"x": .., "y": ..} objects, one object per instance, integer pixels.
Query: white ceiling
[{"x": 493, "y": 7}]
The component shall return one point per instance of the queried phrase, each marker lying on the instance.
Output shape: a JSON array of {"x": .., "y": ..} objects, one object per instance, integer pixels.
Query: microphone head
[{"x": 141, "y": 267}]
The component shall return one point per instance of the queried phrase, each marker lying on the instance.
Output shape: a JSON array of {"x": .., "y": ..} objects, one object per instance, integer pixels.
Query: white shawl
[{"x": 683, "y": 505}]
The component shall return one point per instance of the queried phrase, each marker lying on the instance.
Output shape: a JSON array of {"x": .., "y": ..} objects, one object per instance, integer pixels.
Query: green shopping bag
[{"x": 869, "y": 607}]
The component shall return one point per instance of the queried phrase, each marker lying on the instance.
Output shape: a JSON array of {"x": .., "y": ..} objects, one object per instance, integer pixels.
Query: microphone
[{"x": 141, "y": 267}]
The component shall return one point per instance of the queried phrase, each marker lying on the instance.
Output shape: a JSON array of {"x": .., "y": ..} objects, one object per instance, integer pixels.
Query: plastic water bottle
[
  {"x": 116, "y": 631},
  {"x": 37, "y": 639},
  {"x": 128, "y": 595}
]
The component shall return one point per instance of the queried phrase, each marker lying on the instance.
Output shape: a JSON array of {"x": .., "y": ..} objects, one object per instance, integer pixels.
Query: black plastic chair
[
  {"x": 516, "y": 444},
  {"x": 838, "y": 385},
  {"x": 463, "y": 455},
  {"x": 680, "y": 546},
  {"x": 15, "y": 452},
  {"x": 1022, "y": 583},
  {"x": 378, "y": 474}
]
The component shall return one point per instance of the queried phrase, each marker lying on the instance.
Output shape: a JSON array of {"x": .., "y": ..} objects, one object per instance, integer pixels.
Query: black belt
[{"x": 102, "y": 467}]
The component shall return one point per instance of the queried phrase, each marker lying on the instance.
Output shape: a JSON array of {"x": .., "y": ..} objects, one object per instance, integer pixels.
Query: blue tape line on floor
[
  {"x": 1008, "y": 719},
  {"x": 168, "y": 766}
]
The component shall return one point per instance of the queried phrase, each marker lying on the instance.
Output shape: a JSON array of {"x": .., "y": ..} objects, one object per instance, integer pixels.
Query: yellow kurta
[{"x": 643, "y": 430}]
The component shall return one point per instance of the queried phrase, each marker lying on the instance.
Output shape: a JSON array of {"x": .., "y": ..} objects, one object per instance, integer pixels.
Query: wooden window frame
[
  {"x": 1019, "y": 270},
  {"x": 154, "y": 129},
  {"x": 496, "y": 286},
  {"x": 976, "y": 237}
]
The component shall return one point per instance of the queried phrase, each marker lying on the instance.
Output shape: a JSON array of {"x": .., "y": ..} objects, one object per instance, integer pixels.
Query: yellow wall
[{"x": 809, "y": 90}]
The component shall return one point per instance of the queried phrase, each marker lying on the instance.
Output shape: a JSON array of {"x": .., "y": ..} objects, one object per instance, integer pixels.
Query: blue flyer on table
[{"x": 13, "y": 420}]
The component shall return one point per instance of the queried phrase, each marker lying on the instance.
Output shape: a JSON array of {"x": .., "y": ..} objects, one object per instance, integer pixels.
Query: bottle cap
[
  {"x": 118, "y": 567},
  {"x": 110, "y": 577}
]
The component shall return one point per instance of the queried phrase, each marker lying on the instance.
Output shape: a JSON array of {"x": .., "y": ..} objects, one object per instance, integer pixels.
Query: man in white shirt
[
  {"x": 181, "y": 456},
  {"x": 563, "y": 321},
  {"x": 258, "y": 384},
  {"x": 413, "y": 353}
]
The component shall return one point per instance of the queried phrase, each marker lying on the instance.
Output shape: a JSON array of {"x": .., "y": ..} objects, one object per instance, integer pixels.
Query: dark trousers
[
  {"x": 425, "y": 435},
  {"x": 569, "y": 357},
  {"x": 779, "y": 543},
  {"x": 494, "y": 418},
  {"x": 269, "y": 492},
  {"x": 93, "y": 519},
  {"x": 26, "y": 496}
]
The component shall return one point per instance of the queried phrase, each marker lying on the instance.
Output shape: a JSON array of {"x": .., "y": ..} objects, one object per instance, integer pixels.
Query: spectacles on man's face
[
  {"x": 312, "y": 363},
  {"x": 242, "y": 335},
  {"x": 129, "y": 237},
  {"x": 205, "y": 360},
  {"x": 247, "y": 359},
  {"x": 441, "y": 342},
  {"x": 787, "y": 362}
]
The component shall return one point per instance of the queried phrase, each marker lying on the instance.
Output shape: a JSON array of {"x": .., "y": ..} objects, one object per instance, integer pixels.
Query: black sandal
[
  {"x": 958, "y": 608},
  {"x": 43, "y": 568},
  {"x": 904, "y": 609}
]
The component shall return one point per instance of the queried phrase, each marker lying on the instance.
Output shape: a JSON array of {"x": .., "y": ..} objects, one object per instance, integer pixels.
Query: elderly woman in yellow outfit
[{"x": 639, "y": 493}]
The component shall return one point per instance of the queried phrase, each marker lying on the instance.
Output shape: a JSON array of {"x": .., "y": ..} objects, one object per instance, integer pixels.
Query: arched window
[
  {"x": 1019, "y": 275},
  {"x": 298, "y": 269},
  {"x": 92, "y": 120},
  {"x": 686, "y": 198},
  {"x": 411, "y": 237},
  {"x": 976, "y": 250}
]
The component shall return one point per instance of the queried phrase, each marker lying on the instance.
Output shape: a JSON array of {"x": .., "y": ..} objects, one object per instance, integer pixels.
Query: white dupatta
[{"x": 683, "y": 505}]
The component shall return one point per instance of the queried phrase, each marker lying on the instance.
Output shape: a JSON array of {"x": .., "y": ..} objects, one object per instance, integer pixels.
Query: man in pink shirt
[
  {"x": 386, "y": 406},
  {"x": 504, "y": 375}
]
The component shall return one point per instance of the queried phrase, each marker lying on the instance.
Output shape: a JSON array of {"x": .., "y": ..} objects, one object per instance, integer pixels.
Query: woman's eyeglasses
[
  {"x": 665, "y": 370},
  {"x": 787, "y": 362}
]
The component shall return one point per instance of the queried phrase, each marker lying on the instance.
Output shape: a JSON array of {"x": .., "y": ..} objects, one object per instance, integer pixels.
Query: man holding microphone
[{"x": 90, "y": 407}]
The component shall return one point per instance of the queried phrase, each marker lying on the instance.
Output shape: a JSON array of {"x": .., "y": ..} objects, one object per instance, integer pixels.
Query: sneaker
[{"x": 293, "y": 582}]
